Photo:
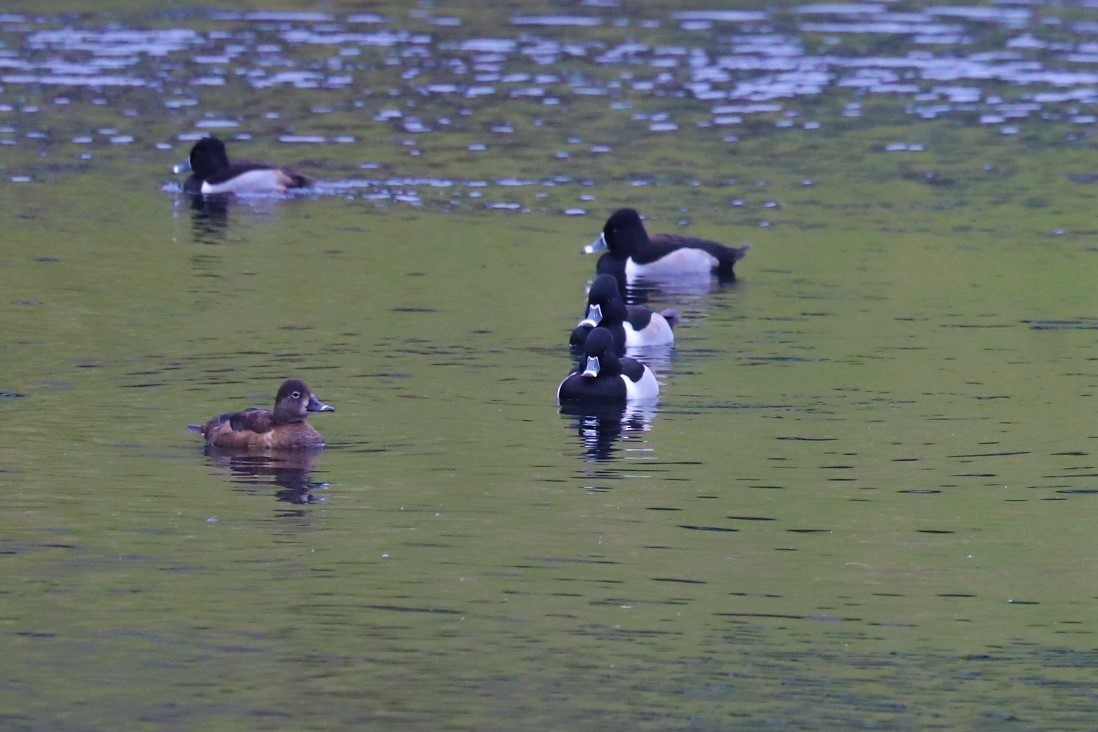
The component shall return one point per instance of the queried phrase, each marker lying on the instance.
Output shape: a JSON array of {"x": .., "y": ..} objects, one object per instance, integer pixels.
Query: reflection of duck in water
[
  {"x": 210, "y": 218},
  {"x": 285, "y": 427},
  {"x": 603, "y": 377},
  {"x": 211, "y": 172},
  {"x": 633, "y": 326},
  {"x": 601, "y": 426},
  {"x": 680, "y": 262},
  {"x": 290, "y": 470}
]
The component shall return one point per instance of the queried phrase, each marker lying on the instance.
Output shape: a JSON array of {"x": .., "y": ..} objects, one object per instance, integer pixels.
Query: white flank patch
[
  {"x": 657, "y": 333},
  {"x": 680, "y": 261},
  {"x": 254, "y": 181},
  {"x": 647, "y": 388}
]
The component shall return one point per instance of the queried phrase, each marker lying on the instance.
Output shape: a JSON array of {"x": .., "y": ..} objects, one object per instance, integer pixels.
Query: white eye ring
[{"x": 296, "y": 395}]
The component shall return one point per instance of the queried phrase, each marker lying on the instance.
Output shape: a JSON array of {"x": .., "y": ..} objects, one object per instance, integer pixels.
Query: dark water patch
[
  {"x": 782, "y": 616},
  {"x": 1079, "y": 491},
  {"x": 577, "y": 560},
  {"x": 9, "y": 394},
  {"x": 631, "y": 602},
  {"x": 919, "y": 491},
  {"x": 934, "y": 531},
  {"x": 763, "y": 360},
  {"x": 750, "y": 518},
  {"x": 809, "y": 531},
  {"x": 697, "y": 527},
  {"x": 679, "y": 580},
  {"x": 1082, "y": 324},
  {"x": 414, "y": 609},
  {"x": 991, "y": 454},
  {"x": 976, "y": 325}
]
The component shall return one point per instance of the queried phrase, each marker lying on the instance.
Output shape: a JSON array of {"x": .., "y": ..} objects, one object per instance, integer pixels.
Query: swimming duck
[
  {"x": 254, "y": 427},
  {"x": 211, "y": 172},
  {"x": 632, "y": 253},
  {"x": 633, "y": 326},
  {"x": 606, "y": 378}
]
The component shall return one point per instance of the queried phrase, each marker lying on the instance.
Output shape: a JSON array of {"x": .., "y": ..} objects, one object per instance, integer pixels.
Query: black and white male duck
[
  {"x": 632, "y": 253},
  {"x": 285, "y": 427},
  {"x": 211, "y": 172},
  {"x": 633, "y": 326},
  {"x": 603, "y": 377}
]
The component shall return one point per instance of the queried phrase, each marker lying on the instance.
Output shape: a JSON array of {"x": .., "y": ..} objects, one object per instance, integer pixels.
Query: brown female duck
[{"x": 285, "y": 427}]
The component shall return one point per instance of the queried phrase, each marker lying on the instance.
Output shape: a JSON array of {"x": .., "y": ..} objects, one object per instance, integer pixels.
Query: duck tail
[
  {"x": 291, "y": 179},
  {"x": 671, "y": 315},
  {"x": 739, "y": 253},
  {"x": 199, "y": 429}
]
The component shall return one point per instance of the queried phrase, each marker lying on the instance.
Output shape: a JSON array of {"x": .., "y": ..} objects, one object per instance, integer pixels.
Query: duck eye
[{"x": 296, "y": 395}]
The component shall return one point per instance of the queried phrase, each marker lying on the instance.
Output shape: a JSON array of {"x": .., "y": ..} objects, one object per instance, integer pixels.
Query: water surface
[{"x": 863, "y": 499}]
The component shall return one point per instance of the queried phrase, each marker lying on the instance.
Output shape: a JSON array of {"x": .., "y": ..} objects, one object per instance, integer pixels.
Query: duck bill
[
  {"x": 597, "y": 245},
  {"x": 182, "y": 167},
  {"x": 593, "y": 367},
  {"x": 315, "y": 405},
  {"x": 594, "y": 317}
]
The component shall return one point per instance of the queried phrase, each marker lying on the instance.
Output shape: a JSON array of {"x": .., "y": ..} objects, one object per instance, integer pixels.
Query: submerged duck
[
  {"x": 632, "y": 253},
  {"x": 605, "y": 377},
  {"x": 254, "y": 427},
  {"x": 633, "y": 326},
  {"x": 211, "y": 172}
]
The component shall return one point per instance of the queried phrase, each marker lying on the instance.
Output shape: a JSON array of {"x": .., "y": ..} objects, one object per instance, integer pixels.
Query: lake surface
[{"x": 862, "y": 500}]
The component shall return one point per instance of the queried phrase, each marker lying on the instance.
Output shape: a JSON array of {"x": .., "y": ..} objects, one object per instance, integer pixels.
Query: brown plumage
[{"x": 285, "y": 427}]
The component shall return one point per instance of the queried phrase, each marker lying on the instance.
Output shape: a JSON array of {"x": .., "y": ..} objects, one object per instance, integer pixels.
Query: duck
[
  {"x": 211, "y": 172},
  {"x": 633, "y": 326},
  {"x": 255, "y": 427},
  {"x": 633, "y": 253},
  {"x": 604, "y": 378}
]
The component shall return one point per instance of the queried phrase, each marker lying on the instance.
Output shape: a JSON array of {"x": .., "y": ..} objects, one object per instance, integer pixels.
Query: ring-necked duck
[
  {"x": 633, "y": 253},
  {"x": 606, "y": 378},
  {"x": 633, "y": 326},
  {"x": 254, "y": 427},
  {"x": 211, "y": 172}
]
